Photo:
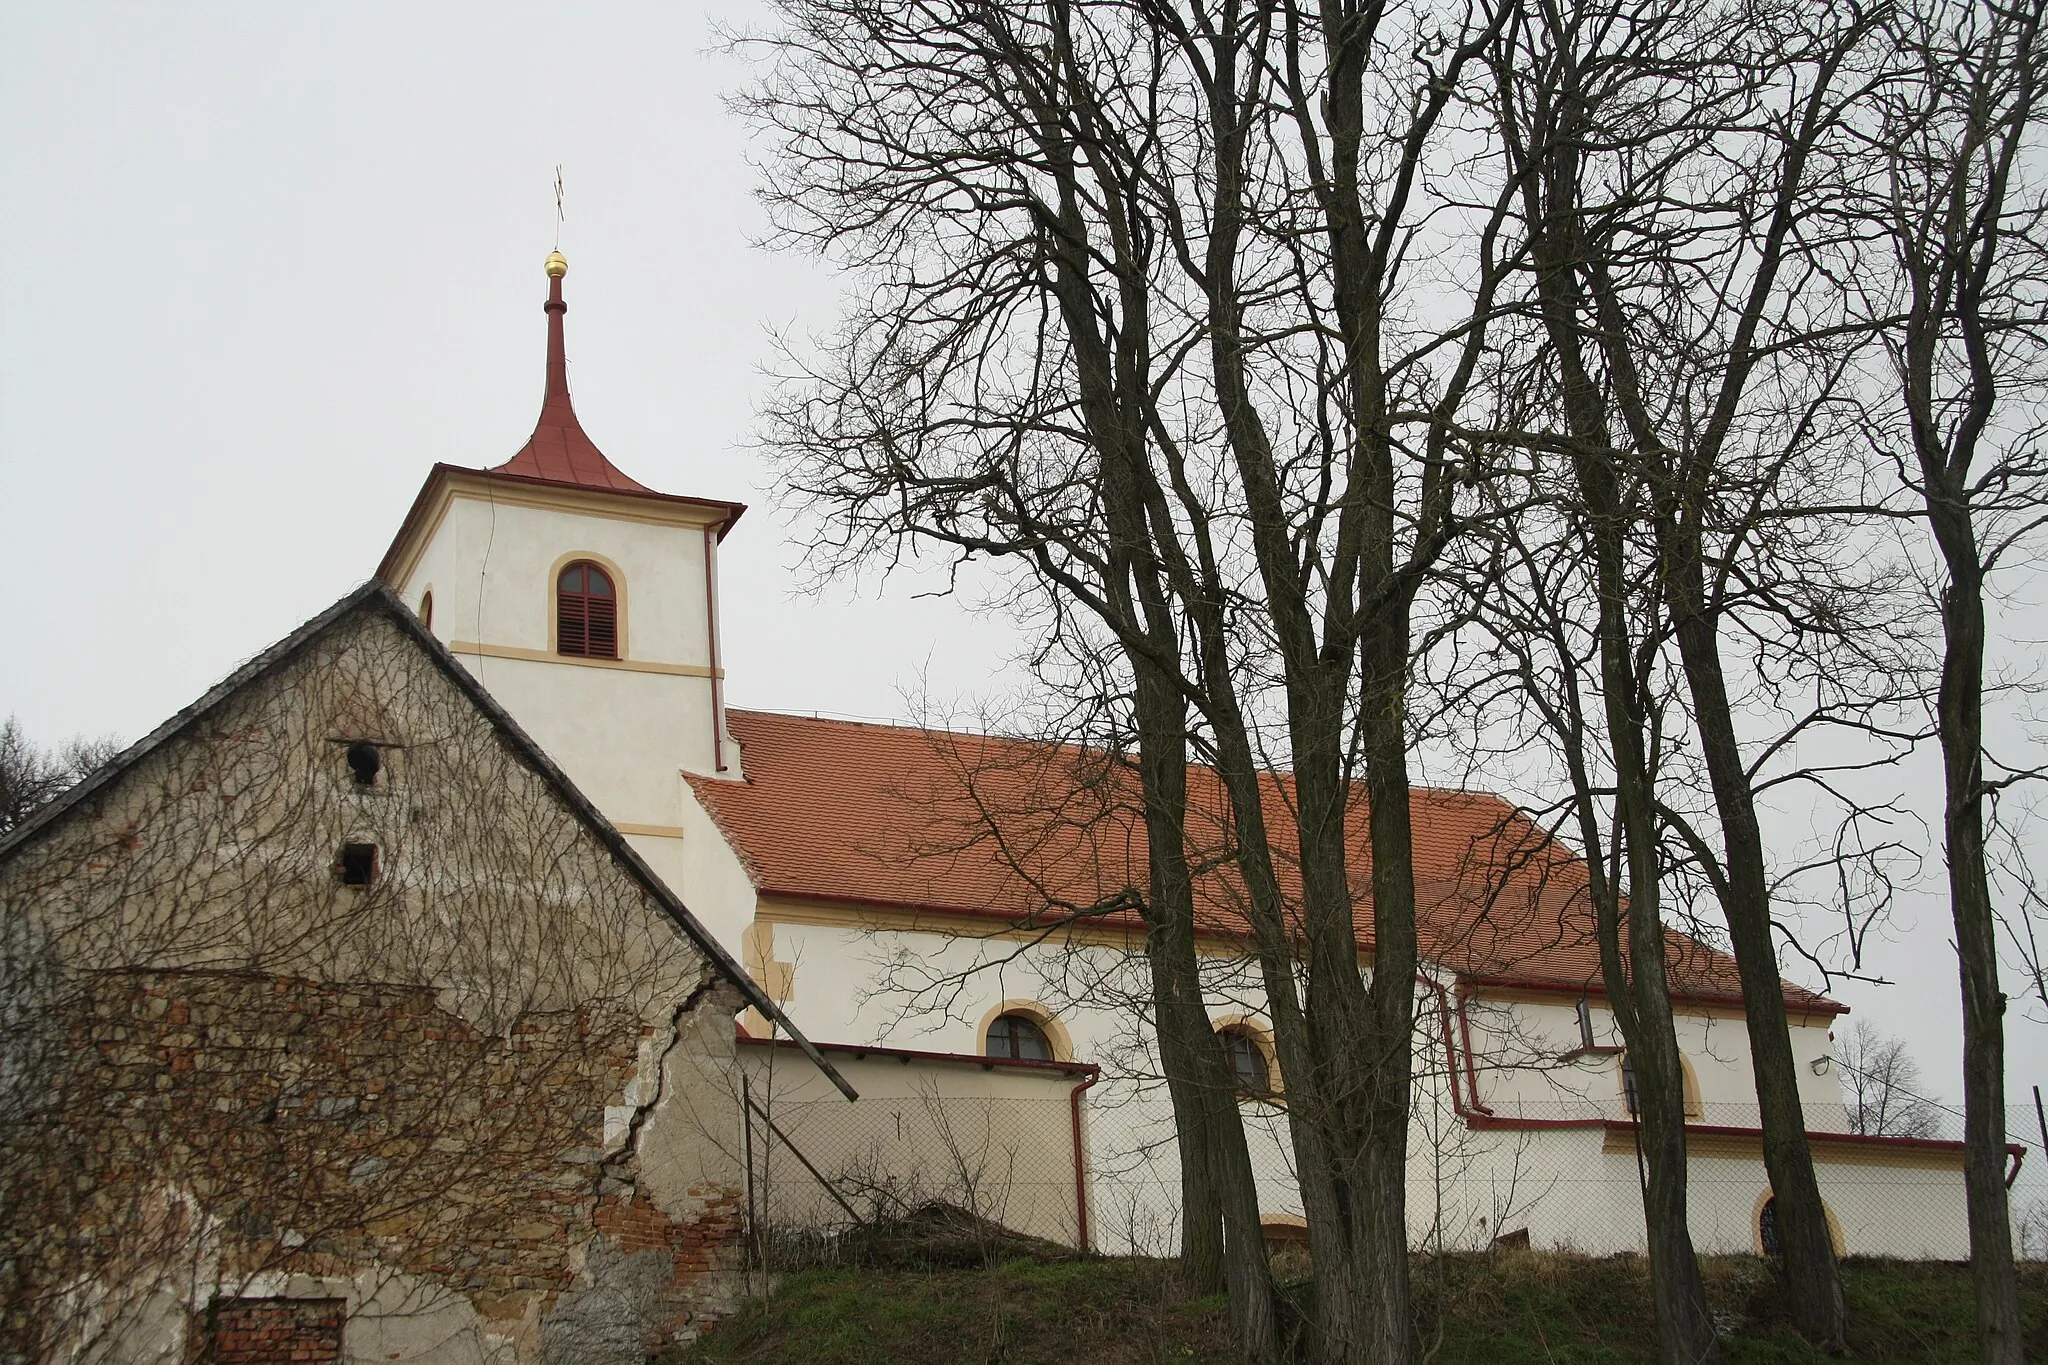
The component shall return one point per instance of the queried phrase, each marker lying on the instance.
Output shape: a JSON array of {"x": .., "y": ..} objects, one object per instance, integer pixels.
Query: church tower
[{"x": 587, "y": 603}]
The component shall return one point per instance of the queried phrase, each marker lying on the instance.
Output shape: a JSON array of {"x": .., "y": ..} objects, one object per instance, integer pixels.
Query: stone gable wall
[{"x": 483, "y": 1100}]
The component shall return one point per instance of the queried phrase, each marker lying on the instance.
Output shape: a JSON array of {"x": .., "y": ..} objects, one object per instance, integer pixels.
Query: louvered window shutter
[
  {"x": 586, "y": 613},
  {"x": 601, "y": 630},
  {"x": 570, "y": 635}
]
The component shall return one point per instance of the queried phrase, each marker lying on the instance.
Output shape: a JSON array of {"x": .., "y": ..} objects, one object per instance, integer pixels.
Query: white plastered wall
[
  {"x": 995, "y": 1140},
  {"x": 1572, "y": 1187},
  {"x": 1522, "y": 1048},
  {"x": 709, "y": 876},
  {"x": 624, "y": 735}
]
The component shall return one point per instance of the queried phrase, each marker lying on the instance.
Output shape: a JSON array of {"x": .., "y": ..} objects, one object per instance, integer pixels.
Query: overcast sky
[{"x": 261, "y": 266}]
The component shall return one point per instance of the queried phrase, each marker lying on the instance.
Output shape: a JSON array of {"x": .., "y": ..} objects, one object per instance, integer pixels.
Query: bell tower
[{"x": 586, "y": 602}]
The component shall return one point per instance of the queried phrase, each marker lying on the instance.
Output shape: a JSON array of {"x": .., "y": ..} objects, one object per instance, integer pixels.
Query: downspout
[
  {"x": 1465, "y": 1028},
  {"x": 1443, "y": 1012},
  {"x": 711, "y": 640},
  {"x": 1459, "y": 1105},
  {"x": 1080, "y": 1158}
]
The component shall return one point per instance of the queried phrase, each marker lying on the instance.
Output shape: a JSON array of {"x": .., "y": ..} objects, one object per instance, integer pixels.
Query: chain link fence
[
  {"x": 989, "y": 1154},
  {"x": 997, "y": 1156}
]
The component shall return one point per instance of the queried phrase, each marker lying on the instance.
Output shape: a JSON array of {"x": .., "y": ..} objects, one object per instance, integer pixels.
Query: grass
[{"x": 1541, "y": 1308}]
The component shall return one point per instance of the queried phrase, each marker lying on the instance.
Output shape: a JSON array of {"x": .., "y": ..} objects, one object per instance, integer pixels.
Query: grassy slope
[{"x": 1519, "y": 1308}]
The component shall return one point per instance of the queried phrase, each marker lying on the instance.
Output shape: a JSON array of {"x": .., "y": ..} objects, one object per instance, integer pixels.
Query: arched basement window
[
  {"x": 1768, "y": 1240},
  {"x": 1018, "y": 1037},
  {"x": 1250, "y": 1068},
  {"x": 586, "y": 613}
]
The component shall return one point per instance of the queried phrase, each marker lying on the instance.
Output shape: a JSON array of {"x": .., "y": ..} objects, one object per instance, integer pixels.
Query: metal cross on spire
[{"x": 558, "y": 208}]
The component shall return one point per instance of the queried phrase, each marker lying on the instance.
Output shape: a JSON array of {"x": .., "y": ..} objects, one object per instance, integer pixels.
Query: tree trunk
[
  {"x": 1383, "y": 725},
  {"x": 1181, "y": 1019},
  {"x": 1634, "y": 976},
  {"x": 1685, "y": 1332},
  {"x": 1813, "y": 1279},
  {"x": 1222, "y": 1243},
  {"x": 1323, "y": 1162},
  {"x": 1641, "y": 995},
  {"x": 1960, "y": 719}
]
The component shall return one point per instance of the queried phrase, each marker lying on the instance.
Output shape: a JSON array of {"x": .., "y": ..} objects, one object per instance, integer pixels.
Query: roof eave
[
  {"x": 423, "y": 504},
  {"x": 1810, "y": 1004}
]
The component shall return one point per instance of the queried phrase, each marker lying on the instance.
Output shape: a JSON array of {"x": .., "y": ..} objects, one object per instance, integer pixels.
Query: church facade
[{"x": 869, "y": 878}]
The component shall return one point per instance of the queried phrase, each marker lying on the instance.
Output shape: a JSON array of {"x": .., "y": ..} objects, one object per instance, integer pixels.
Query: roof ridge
[{"x": 911, "y": 727}]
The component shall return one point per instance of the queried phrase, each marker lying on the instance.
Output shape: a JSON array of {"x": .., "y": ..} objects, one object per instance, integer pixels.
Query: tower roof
[
  {"x": 559, "y": 451},
  {"x": 558, "y": 456}
]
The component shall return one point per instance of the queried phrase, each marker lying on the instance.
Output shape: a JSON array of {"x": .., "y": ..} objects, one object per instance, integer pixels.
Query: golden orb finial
[{"x": 558, "y": 265}]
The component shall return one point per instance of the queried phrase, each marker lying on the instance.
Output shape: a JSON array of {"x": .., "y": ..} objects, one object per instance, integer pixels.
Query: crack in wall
[{"x": 618, "y": 1169}]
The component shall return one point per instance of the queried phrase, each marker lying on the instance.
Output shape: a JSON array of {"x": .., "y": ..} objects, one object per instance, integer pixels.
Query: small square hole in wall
[{"x": 357, "y": 865}]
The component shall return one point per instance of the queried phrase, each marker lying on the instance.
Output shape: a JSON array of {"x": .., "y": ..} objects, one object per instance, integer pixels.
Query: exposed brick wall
[
  {"x": 699, "y": 1248},
  {"x": 277, "y": 1332},
  {"x": 318, "y": 1129}
]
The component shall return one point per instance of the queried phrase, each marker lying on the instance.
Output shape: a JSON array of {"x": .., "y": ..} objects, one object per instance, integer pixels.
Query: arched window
[
  {"x": 586, "y": 613},
  {"x": 1250, "y": 1068},
  {"x": 1689, "y": 1084},
  {"x": 1018, "y": 1037},
  {"x": 427, "y": 609}
]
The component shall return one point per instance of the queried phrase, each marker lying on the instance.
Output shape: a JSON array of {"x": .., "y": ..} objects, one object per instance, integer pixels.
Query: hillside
[{"x": 1518, "y": 1307}]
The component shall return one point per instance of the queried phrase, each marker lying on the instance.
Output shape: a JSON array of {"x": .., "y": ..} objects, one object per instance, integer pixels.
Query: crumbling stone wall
[
  {"x": 454, "y": 1096},
  {"x": 231, "y": 1132}
]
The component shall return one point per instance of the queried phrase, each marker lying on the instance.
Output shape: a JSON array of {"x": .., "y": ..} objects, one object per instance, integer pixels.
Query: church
[
  {"x": 859, "y": 873},
  {"x": 880, "y": 908}
]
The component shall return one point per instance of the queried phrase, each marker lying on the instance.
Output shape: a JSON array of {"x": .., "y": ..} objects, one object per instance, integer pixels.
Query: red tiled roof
[{"x": 975, "y": 826}]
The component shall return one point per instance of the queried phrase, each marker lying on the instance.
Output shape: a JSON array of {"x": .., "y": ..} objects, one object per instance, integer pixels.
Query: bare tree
[
  {"x": 1693, "y": 276},
  {"x": 974, "y": 159},
  {"x": 1608, "y": 718},
  {"x": 30, "y": 776},
  {"x": 1157, "y": 313},
  {"x": 1880, "y": 1085},
  {"x": 1721, "y": 350},
  {"x": 1958, "y": 277}
]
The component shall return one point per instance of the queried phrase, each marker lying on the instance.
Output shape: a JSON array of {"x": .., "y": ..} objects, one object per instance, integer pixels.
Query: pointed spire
[{"x": 559, "y": 451}]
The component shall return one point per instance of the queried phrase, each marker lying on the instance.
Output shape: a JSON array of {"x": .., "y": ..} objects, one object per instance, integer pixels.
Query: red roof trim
[{"x": 1803, "y": 1003}]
